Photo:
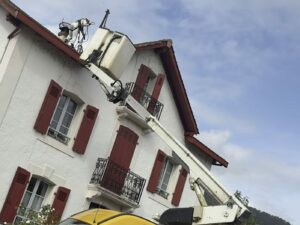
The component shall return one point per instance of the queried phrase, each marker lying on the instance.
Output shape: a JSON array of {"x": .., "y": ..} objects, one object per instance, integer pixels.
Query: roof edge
[
  {"x": 154, "y": 44},
  {"x": 218, "y": 160},
  {"x": 165, "y": 48}
]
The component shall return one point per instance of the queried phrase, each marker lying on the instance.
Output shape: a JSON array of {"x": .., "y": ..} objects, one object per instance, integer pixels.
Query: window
[
  {"x": 62, "y": 118},
  {"x": 164, "y": 178},
  {"x": 57, "y": 113},
  {"x": 33, "y": 198},
  {"x": 143, "y": 85}
]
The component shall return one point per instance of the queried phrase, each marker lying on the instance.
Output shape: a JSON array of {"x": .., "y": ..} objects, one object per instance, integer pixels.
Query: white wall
[
  {"x": 41, "y": 63},
  {"x": 33, "y": 65}
]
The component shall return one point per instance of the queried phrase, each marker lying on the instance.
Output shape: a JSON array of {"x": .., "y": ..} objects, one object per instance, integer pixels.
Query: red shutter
[
  {"x": 60, "y": 201},
  {"x": 14, "y": 195},
  {"x": 156, "y": 91},
  {"x": 124, "y": 146},
  {"x": 156, "y": 171},
  {"x": 85, "y": 129},
  {"x": 140, "y": 83},
  {"x": 50, "y": 101},
  {"x": 119, "y": 160},
  {"x": 179, "y": 187}
]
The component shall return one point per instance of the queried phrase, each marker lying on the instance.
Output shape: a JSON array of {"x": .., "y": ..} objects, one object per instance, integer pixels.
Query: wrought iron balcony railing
[
  {"x": 119, "y": 180},
  {"x": 153, "y": 106}
]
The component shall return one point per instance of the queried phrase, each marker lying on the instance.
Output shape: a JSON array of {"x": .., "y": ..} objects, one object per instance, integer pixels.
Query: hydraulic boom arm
[{"x": 229, "y": 209}]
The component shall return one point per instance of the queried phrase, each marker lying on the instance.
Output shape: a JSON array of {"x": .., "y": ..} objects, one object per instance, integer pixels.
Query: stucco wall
[
  {"x": 41, "y": 63},
  {"x": 33, "y": 65}
]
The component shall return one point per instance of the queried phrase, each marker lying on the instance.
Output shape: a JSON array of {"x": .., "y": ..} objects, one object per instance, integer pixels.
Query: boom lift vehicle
[{"x": 106, "y": 56}]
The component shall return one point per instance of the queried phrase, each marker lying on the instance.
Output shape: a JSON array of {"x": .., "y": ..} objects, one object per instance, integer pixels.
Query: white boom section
[
  {"x": 197, "y": 169},
  {"x": 208, "y": 181},
  {"x": 215, "y": 214}
]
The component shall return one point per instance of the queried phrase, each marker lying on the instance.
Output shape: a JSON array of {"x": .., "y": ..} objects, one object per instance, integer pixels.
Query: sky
[{"x": 240, "y": 63}]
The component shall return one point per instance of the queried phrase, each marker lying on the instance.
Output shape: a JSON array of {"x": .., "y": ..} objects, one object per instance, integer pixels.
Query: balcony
[
  {"x": 122, "y": 182},
  {"x": 153, "y": 106}
]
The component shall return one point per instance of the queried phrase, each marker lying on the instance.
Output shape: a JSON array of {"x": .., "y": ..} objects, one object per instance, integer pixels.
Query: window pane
[
  {"x": 26, "y": 199},
  {"x": 62, "y": 101},
  {"x": 31, "y": 184},
  {"x": 71, "y": 107},
  {"x": 164, "y": 187},
  {"x": 165, "y": 175},
  {"x": 169, "y": 168},
  {"x": 67, "y": 120},
  {"x": 165, "y": 182},
  {"x": 63, "y": 130},
  {"x": 53, "y": 124},
  {"x": 62, "y": 118},
  {"x": 42, "y": 189},
  {"x": 37, "y": 203},
  {"x": 56, "y": 117}
]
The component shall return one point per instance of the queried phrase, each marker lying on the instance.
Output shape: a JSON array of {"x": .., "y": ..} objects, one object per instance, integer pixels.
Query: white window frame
[
  {"x": 55, "y": 133},
  {"x": 147, "y": 89},
  {"x": 21, "y": 214},
  {"x": 165, "y": 176}
]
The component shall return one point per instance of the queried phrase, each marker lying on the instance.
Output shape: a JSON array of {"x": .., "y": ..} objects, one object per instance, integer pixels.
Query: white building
[{"x": 62, "y": 143}]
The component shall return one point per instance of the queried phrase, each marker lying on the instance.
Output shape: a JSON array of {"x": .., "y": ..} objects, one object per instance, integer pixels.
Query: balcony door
[{"x": 119, "y": 161}]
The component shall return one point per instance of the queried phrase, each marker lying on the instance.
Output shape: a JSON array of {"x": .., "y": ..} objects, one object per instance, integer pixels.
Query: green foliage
[
  {"x": 263, "y": 218},
  {"x": 250, "y": 221},
  {"x": 258, "y": 217},
  {"x": 45, "y": 216}
]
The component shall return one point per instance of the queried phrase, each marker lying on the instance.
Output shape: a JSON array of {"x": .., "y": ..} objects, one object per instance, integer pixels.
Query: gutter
[{"x": 217, "y": 160}]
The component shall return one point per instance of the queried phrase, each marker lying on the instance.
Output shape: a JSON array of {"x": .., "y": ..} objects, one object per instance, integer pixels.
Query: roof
[
  {"x": 218, "y": 160},
  {"x": 163, "y": 47},
  {"x": 167, "y": 54},
  {"x": 166, "y": 51}
]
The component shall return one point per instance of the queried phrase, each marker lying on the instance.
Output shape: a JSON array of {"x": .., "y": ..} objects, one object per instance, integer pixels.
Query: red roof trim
[
  {"x": 166, "y": 51},
  {"x": 154, "y": 44},
  {"x": 218, "y": 160},
  {"x": 38, "y": 28}
]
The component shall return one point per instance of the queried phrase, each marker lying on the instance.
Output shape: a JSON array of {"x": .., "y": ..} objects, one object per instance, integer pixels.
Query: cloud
[
  {"x": 220, "y": 141},
  {"x": 267, "y": 181},
  {"x": 215, "y": 139},
  {"x": 214, "y": 116}
]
